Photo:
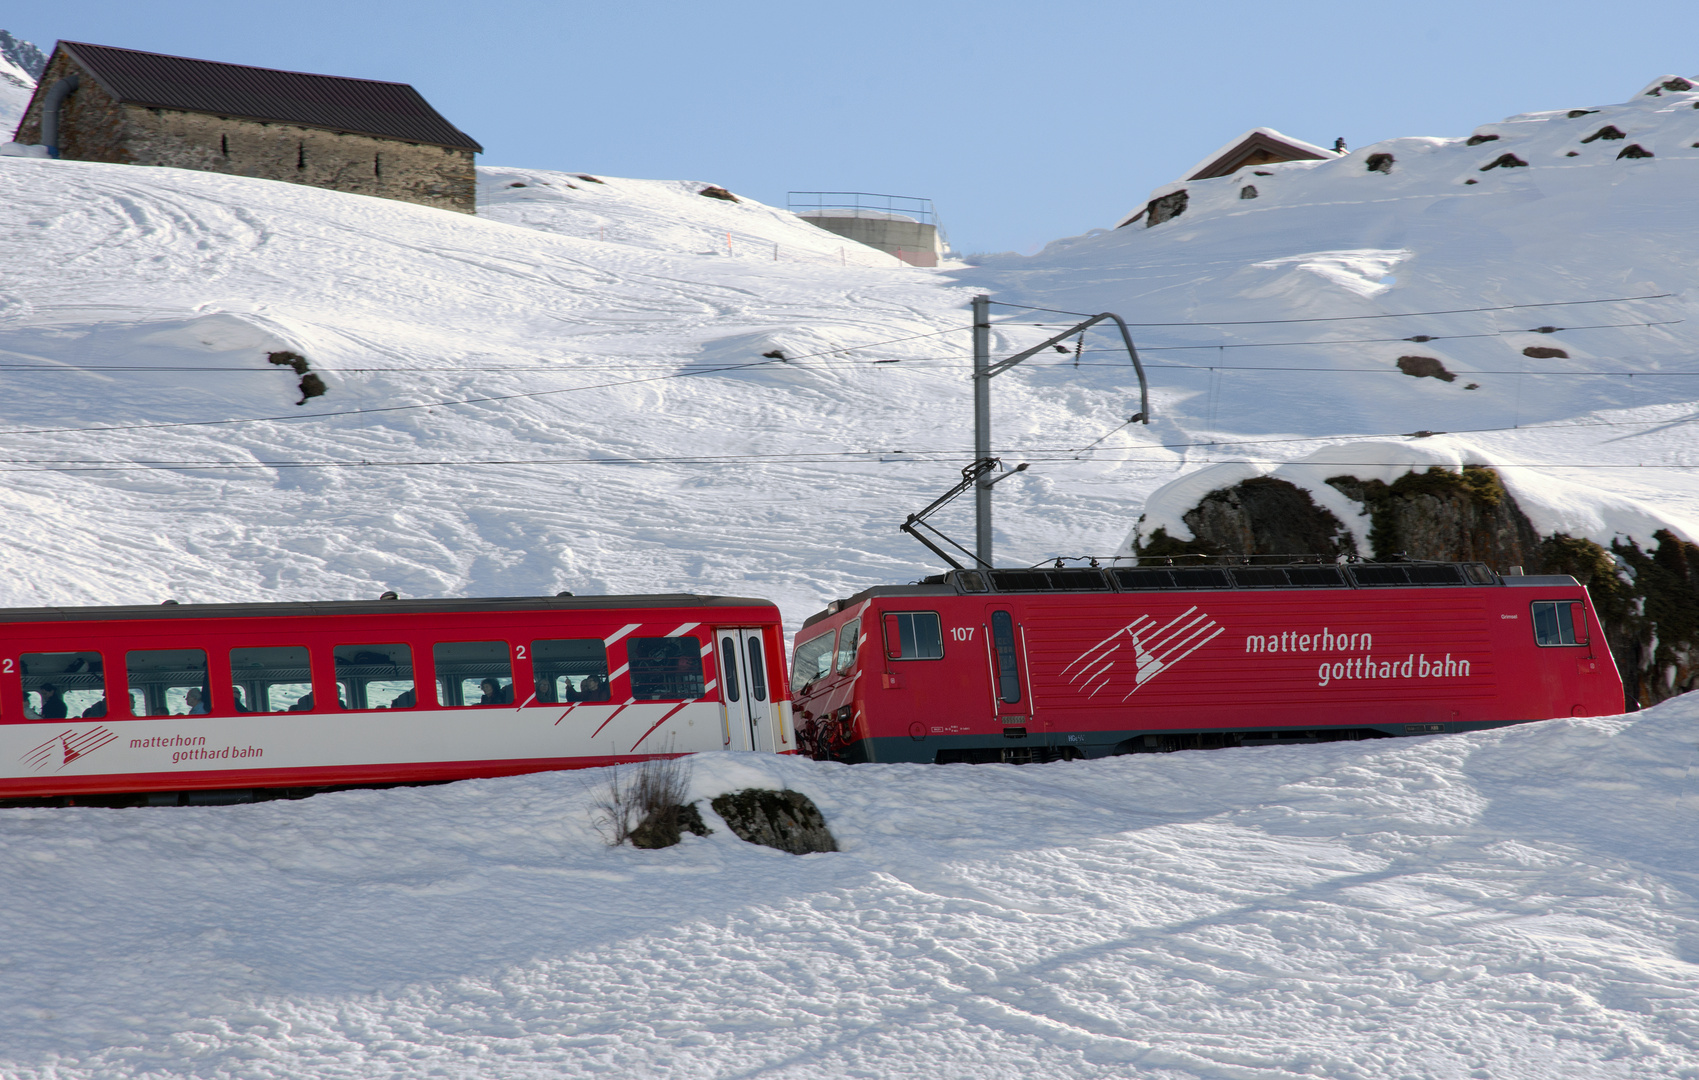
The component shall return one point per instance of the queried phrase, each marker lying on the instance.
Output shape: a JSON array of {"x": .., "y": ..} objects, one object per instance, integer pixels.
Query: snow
[
  {"x": 1210, "y": 159},
  {"x": 569, "y": 391},
  {"x": 1267, "y": 322},
  {"x": 16, "y": 87},
  {"x": 1515, "y": 903},
  {"x": 1553, "y": 505}
]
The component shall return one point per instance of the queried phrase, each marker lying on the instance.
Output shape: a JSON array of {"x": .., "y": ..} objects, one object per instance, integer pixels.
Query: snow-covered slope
[
  {"x": 1512, "y": 904},
  {"x": 20, "y": 66},
  {"x": 482, "y": 376},
  {"x": 1267, "y": 319},
  {"x": 663, "y": 215},
  {"x": 572, "y": 391},
  {"x": 1325, "y": 241}
]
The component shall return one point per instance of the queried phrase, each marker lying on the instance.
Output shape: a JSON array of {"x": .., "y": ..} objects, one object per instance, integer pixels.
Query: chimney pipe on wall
[{"x": 56, "y": 95}]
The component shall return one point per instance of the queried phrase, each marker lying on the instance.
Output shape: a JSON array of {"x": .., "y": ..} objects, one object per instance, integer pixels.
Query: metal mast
[
  {"x": 984, "y": 371},
  {"x": 982, "y": 426}
]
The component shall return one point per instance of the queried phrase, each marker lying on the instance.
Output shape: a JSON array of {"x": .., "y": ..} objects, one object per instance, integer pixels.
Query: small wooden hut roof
[
  {"x": 363, "y": 106},
  {"x": 1258, "y": 146}
]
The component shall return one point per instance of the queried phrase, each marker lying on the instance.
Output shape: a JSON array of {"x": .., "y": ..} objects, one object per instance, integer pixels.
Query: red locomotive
[
  {"x": 230, "y": 700},
  {"x": 1042, "y": 664}
]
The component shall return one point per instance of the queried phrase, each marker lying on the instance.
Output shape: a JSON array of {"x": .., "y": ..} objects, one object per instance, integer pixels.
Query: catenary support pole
[{"x": 982, "y": 425}]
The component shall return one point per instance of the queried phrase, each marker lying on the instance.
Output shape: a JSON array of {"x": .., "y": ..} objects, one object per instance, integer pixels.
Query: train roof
[
  {"x": 457, "y": 605},
  {"x": 1224, "y": 575}
]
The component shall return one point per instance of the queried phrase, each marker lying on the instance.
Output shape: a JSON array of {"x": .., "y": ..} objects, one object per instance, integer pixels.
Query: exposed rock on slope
[{"x": 1647, "y": 600}]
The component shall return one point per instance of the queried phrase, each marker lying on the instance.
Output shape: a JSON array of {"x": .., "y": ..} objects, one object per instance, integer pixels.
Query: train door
[
  {"x": 745, "y": 693},
  {"x": 1011, "y": 689}
]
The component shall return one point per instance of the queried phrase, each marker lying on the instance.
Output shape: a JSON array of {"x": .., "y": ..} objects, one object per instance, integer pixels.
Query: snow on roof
[{"x": 1216, "y": 164}]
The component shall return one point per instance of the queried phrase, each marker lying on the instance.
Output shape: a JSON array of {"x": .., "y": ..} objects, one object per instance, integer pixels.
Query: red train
[
  {"x": 232, "y": 699},
  {"x": 1040, "y": 664},
  {"x": 224, "y": 702}
]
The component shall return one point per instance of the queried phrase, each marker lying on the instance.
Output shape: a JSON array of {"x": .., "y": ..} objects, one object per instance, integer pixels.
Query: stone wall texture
[{"x": 94, "y": 127}]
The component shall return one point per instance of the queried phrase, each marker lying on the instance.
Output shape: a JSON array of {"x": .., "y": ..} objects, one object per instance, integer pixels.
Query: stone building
[{"x": 98, "y": 103}]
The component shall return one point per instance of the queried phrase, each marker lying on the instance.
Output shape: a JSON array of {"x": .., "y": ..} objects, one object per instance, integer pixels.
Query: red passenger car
[
  {"x": 1024, "y": 665},
  {"x": 245, "y": 698}
]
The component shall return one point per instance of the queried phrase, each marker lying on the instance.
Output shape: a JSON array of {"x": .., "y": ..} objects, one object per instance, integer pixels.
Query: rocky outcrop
[
  {"x": 787, "y": 820},
  {"x": 1647, "y": 600},
  {"x": 1261, "y": 516}
]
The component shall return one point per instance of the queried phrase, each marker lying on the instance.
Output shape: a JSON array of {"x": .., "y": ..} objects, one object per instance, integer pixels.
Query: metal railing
[{"x": 803, "y": 202}]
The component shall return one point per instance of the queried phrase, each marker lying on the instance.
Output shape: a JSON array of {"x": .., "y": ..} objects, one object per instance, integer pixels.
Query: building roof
[
  {"x": 364, "y": 106},
  {"x": 1257, "y": 141}
]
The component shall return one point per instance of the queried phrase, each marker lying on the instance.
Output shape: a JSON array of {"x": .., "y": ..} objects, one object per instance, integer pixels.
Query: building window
[
  {"x": 377, "y": 166},
  {"x": 300, "y": 155}
]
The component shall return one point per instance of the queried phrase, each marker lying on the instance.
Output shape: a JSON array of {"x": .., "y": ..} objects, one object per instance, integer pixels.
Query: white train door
[{"x": 745, "y": 692}]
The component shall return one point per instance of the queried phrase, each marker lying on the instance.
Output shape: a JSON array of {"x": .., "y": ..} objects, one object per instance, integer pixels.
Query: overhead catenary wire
[
  {"x": 1419, "y": 339},
  {"x": 213, "y": 466},
  {"x": 719, "y": 369},
  {"x": 1355, "y": 318},
  {"x": 117, "y": 428},
  {"x": 885, "y": 456},
  {"x": 571, "y": 366}
]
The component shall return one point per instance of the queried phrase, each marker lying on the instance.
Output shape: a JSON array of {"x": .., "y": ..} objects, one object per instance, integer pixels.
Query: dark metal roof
[
  {"x": 456, "y": 605},
  {"x": 364, "y": 106},
  {"x": 1241, "y": 153}
]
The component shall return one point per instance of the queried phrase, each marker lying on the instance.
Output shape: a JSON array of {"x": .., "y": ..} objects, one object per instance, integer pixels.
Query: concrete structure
[
  {"x": 895, "y": 224},
  {"x": 98, "y": 103}
]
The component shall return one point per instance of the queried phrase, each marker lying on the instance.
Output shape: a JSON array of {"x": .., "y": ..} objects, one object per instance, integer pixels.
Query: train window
[
  {"x": 272, "y": 679},
  {"x": 757, "y": 670},
  {"x": 167, "y": 682},
  {"x": 375, "y": 677},
  {"x": 849, "y": 640},
  {"x": 1003, "y": 641},
  {"x": 471, "y": 673},
  {"x": 1559, "y": 623},
  {"x": 665, "y": 668},
  {"x": 812, "y": 661},
  {"x": 728, "y": 668},
  {"x": 570, "y": 669},
  {"x": 913, "y": 635},
  {"x": 65, "y": 685}
]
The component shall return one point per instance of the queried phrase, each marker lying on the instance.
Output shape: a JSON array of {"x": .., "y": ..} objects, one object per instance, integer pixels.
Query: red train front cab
[{"x": 1020, "y": 665}]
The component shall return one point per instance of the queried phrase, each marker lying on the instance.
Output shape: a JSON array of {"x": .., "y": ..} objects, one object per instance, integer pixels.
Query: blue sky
[{"x": 1023, "y": 122}]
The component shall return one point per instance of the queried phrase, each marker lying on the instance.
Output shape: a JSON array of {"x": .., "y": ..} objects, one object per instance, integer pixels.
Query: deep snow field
[
  {"x": 1519, "y": 903},
  {"x": 569, "y": 392}
]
